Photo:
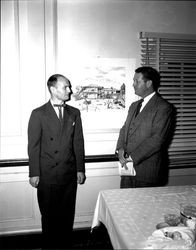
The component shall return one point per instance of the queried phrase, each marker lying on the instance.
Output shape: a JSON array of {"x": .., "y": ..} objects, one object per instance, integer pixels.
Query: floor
[{"x": 83, "y": 239}]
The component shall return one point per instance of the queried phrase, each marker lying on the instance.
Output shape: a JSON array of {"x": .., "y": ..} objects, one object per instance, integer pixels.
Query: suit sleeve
[
  {"x": 121, "y": 138},
  {"x": 160, "y": 130},
  {"x": 79, "y": 144},
  {"x": 34, "y": 141}
]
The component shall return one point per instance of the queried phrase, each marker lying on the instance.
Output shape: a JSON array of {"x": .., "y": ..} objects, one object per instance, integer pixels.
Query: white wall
[{"x": 37, "y": 41}]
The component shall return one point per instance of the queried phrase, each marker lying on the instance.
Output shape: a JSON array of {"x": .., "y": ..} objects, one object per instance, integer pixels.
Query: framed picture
[{"x": 102, "y": 91}]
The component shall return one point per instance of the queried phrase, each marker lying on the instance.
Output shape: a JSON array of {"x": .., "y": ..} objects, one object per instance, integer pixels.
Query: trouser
[
  {"x": 57, "y": 207},
  {"x": 132, "y": 182}
]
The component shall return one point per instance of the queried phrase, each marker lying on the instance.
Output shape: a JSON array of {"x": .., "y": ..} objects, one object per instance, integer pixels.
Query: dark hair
[
  {"x": 53, "y": 80},
  {"x": 150, "y": 73}
]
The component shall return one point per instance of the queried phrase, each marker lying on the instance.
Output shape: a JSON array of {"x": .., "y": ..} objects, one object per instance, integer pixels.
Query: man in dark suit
[
  {"x": 143, "y": 139},
  {"x": 56, "y": 161}
]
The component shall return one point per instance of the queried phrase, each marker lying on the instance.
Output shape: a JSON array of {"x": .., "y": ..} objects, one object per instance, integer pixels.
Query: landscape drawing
[{"x": 100, "y": 88}]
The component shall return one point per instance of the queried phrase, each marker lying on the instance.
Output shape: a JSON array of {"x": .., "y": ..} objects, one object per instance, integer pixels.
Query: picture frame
[{"x": 102, "y": 91}]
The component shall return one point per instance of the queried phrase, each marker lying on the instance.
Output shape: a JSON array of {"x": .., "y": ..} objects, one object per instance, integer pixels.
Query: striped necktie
[
  {"x": 138, "y": 107},
  {"x": 60, "y": 112}
]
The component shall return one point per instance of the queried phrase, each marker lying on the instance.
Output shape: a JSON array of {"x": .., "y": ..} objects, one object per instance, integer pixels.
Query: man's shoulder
[
  {"x": 41, "y": 108},
  {"x": 163, "y": 104},
  {"x": 72, "y": 109},
  {"x": 163, "y": 101}
]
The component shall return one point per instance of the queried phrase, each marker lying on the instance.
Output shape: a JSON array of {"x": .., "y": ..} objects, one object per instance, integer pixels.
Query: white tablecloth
[{"x": 131, "y": 215}]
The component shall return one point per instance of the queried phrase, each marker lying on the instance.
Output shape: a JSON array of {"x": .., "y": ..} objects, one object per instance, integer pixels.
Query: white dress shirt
[
  {"x": 146, "y": 100},
  {"x": 56, "y": 108}
]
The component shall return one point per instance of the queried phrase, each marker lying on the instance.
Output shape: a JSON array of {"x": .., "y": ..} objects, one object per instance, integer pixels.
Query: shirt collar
[
  {"x": 147, "y": 98},
  {"x": 52, "y": 102}
]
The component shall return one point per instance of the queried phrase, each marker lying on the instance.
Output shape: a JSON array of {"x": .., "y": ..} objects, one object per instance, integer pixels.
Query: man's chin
[
  {"x": 67, "y": 99},
  {"x": 136, "y": 93}
]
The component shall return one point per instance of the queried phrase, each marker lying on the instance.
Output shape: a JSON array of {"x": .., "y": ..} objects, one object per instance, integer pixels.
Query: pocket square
[{"x": 73, "y": 124}]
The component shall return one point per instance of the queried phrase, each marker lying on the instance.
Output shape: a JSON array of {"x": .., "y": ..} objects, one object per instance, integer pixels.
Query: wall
[
  {"x": 111, "y": 28},
  {"x": 19, "y": 211},
  {"x": 42, "y": 37}
]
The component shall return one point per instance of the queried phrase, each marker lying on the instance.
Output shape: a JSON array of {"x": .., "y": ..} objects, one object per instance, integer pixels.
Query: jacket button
[
  {"x": 56, "y": 164},
  {"x": 56, "y": 152},
  {"x": 51, "y": 139}
]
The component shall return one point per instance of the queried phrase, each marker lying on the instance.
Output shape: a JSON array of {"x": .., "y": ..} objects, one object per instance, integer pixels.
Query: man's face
[
  {"x": 140, "y": 86},
  {"x": 62, "y": 90}
]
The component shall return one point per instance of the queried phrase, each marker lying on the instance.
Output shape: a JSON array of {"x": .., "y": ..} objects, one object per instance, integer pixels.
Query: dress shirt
[
  {"x": 146, "y": 100},
  {"x": 56, "y": 108}
]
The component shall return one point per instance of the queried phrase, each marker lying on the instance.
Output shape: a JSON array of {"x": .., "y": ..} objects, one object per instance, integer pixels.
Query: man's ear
[
  {"x": 149, "y": 84},
  {"x": 52, "y": 89}
]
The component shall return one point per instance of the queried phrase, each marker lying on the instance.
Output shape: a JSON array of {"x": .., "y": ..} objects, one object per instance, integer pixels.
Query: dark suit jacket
[
  {"x": 55, "y": 152},
  {"x": 145, "y": 137}
]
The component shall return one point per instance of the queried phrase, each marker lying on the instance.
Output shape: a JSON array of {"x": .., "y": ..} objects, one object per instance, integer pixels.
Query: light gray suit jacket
[{"x": 145, "y": 138}]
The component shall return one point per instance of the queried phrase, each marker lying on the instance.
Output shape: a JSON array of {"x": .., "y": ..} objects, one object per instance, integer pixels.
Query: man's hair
[
  {"x": 150, "y": 73},
  {"x": 53, "y": 80}
]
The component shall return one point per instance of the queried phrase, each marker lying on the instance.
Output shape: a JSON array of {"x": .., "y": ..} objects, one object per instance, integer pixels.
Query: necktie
[
  {"x": 138, "y": 107},
  {"x": 60, "y": 115},
  {"x": 59, "y": 106}
]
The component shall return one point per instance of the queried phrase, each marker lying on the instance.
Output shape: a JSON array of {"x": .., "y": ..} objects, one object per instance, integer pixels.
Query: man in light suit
[
  {"x": 145, "y": 134},
  {"x": 56, "y": 161}
]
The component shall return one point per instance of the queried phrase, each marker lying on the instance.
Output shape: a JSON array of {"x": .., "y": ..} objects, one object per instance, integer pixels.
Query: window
[{"x": 174, "y": 55}]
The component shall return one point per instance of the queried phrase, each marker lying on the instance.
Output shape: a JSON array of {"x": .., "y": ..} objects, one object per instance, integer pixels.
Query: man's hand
[
  {"x": 121, "y": 157},
  {"x": 81, "y": 177},
  {"x": 34, "y": 181}
]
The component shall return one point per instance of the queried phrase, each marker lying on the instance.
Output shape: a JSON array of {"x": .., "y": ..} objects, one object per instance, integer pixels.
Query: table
[{"x": 131, "y": 215}]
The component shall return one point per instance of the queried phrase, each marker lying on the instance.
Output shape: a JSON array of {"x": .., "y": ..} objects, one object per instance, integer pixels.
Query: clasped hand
[{"x": 123, "y": 160}]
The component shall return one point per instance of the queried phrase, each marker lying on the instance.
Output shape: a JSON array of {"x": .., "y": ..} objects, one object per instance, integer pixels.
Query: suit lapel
[
  {"x": 150, "y": 104},
  {"x": 53, "y": 120},
  {"x": 135, "y": 123},
  {"x": 130, "y": 118},
  {"x": 68, "y": 120}
]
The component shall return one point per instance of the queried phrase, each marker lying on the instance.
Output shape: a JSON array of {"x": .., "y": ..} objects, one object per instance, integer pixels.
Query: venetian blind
[{"x": 174, "y": 55}]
